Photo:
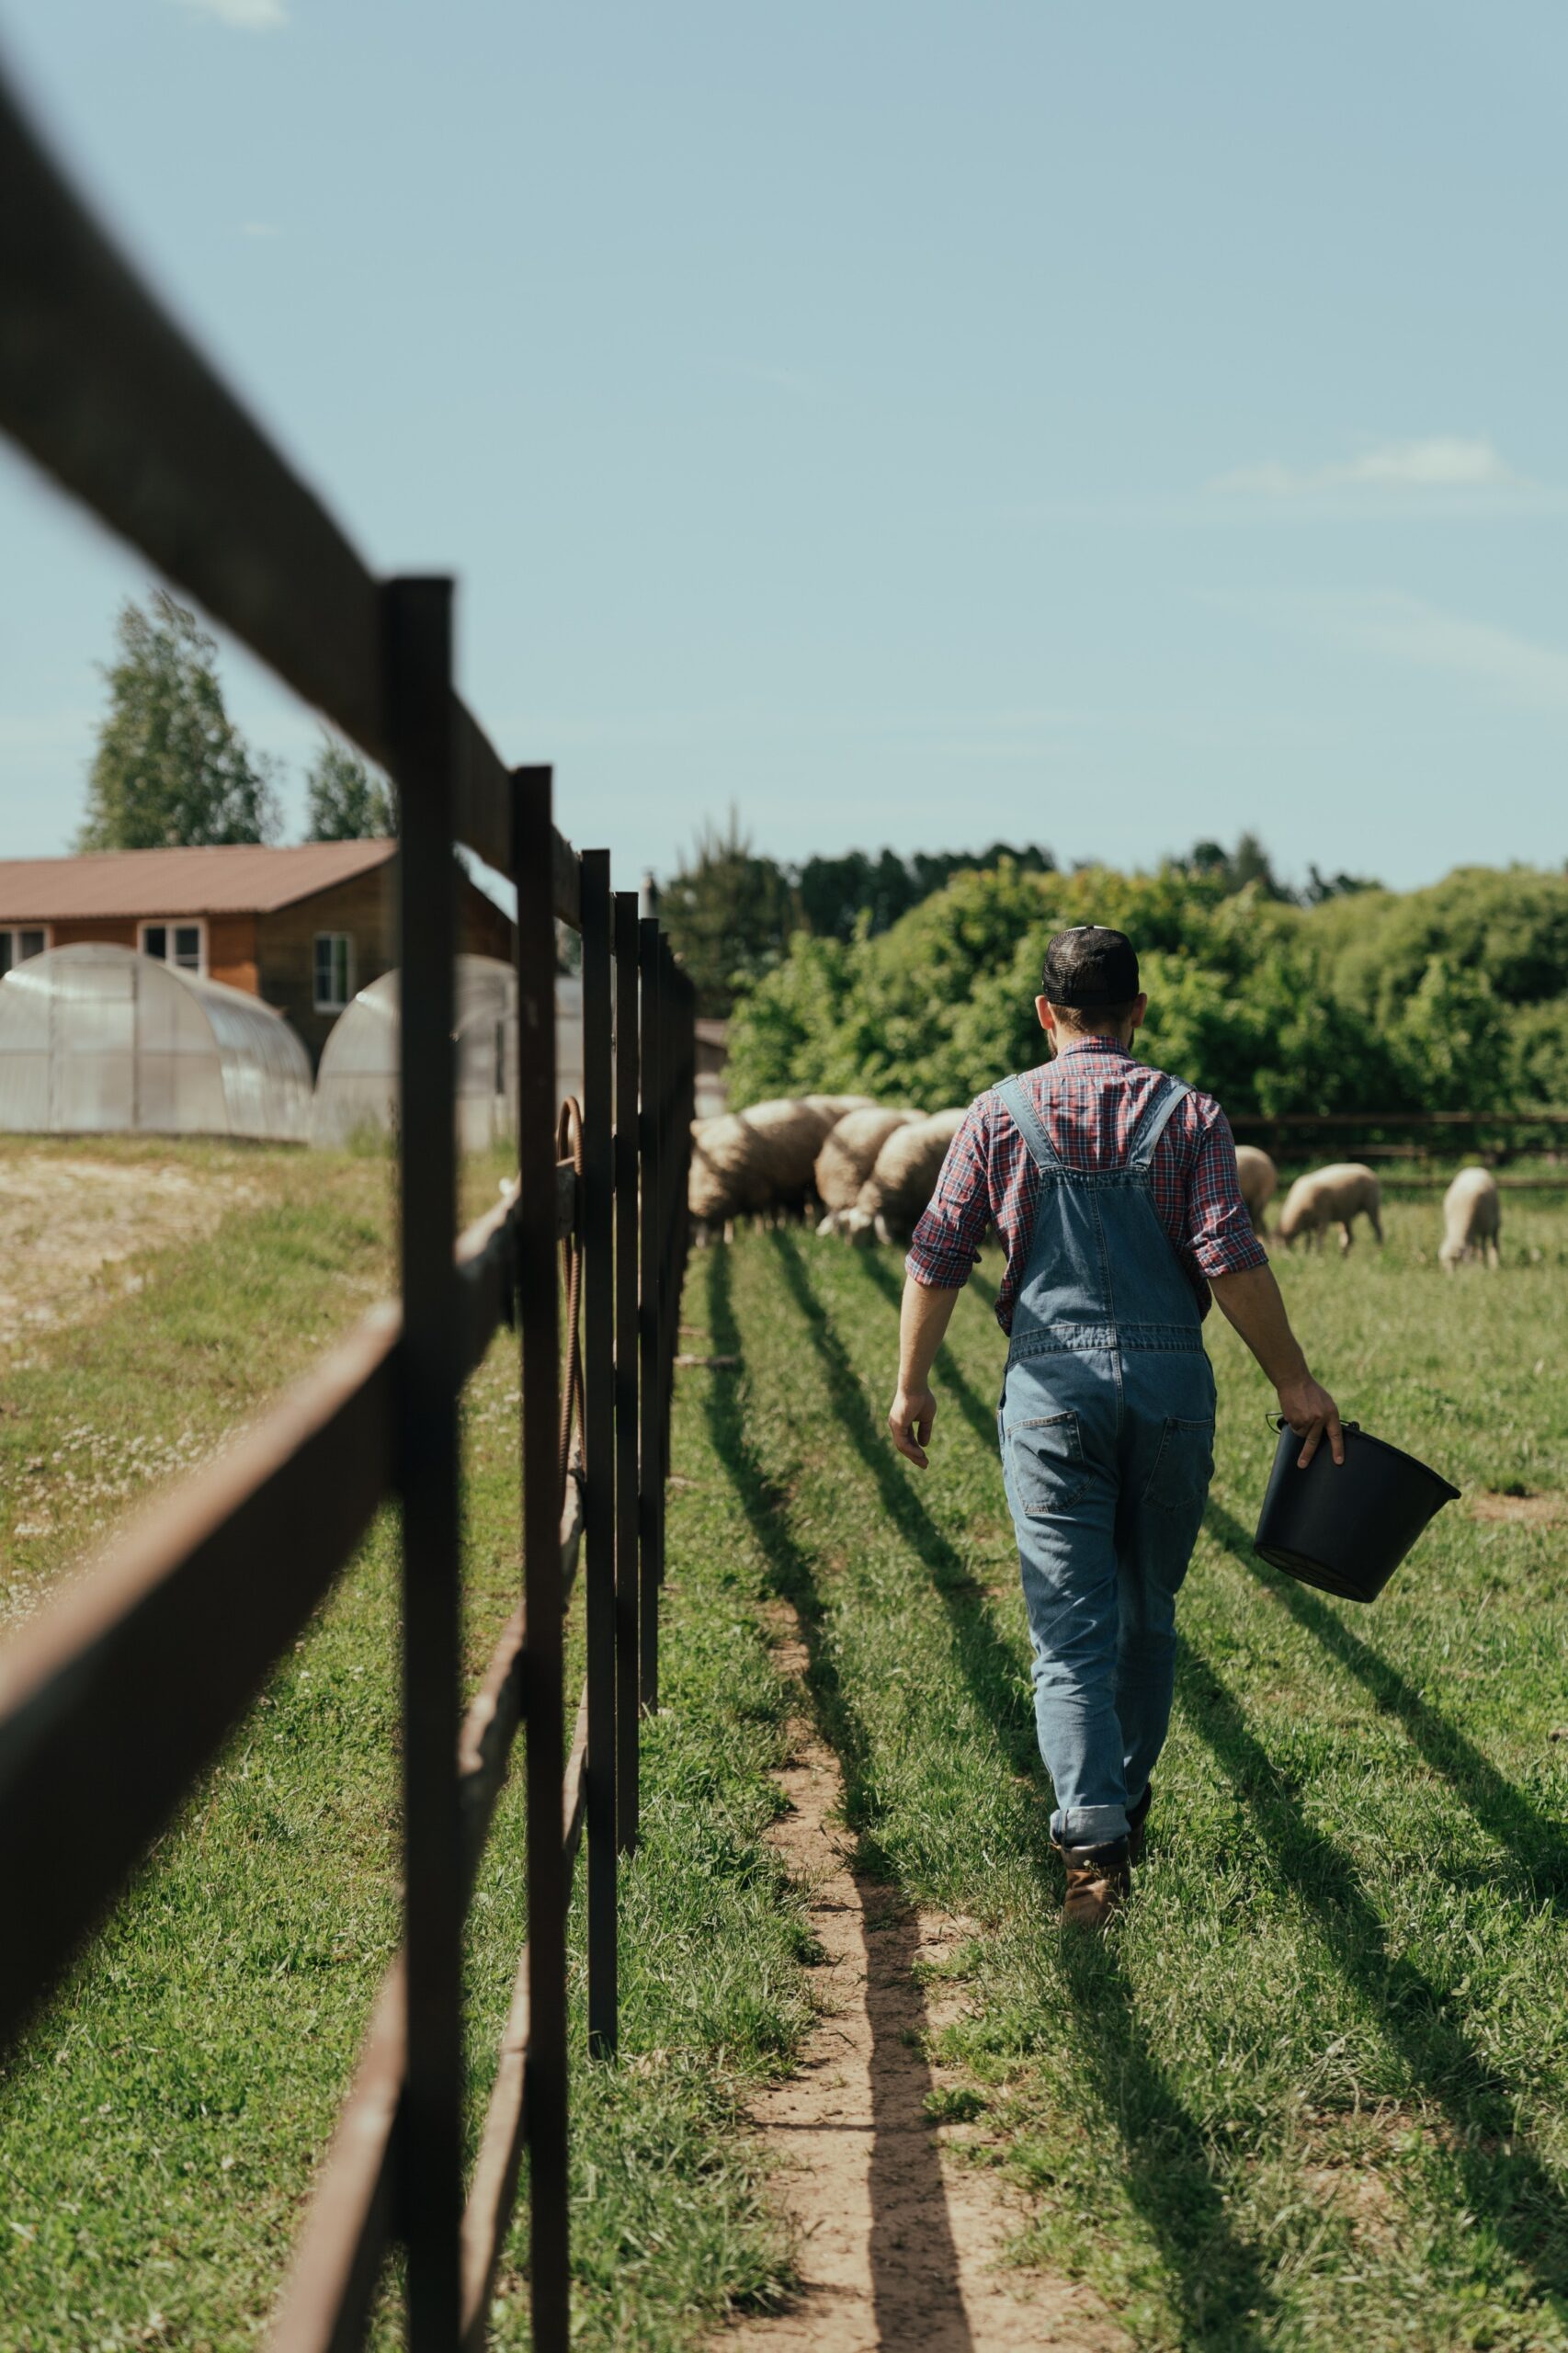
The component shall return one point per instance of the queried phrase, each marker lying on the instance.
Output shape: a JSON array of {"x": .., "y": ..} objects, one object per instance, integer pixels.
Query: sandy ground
[
  {"x": 898, "y": 2242},
  {"x": 68, "y": 1227}
]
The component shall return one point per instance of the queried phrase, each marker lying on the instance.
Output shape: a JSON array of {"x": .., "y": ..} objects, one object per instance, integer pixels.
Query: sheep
[
  {"x": 1258, "y": 1179},
  {"x": 1472, "y": 1219},
  {"x": 847, "y": 1158},
  {"x": 1331, "y": 1197},
  {"x": 760, "y": 1159},
  {"x": 904, "y": 1179}
]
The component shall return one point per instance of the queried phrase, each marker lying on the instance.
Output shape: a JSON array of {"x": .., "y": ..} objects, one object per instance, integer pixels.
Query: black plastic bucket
[{"x": 1346, "y": 1527}]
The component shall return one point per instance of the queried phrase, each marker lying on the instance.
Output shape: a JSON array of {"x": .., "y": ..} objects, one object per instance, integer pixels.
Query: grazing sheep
[
  {"x": 904, "y": 1179},
  {"x": 760, "y": 1159},
  {"x": 1258, "y": 1179},
  {"x": 1331, "y": 1197},
  {"x": 840, "y": 1106},
  {"x": 1472, "y": 1219},
  {"x": 848, "y": 1156}
]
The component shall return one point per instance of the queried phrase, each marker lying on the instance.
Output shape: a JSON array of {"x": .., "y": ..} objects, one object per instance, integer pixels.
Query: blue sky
[{"x": 912, "y": 423}]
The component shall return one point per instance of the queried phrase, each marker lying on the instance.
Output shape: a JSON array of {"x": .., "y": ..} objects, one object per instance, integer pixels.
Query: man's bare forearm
[
  {"x": 1251, "y": 1302},
  {"x": 922, "y": 1328},
  {"x": 923, "y": 1325}
]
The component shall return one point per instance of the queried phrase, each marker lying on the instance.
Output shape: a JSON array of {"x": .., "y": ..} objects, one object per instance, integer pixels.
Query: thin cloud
[
  {"x": 1518, "y": 670},
  {"x": 244, "y": 15},
  {"x": 1442, "y": 462}
]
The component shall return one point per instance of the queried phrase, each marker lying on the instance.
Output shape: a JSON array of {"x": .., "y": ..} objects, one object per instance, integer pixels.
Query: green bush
[{"x": 1451, "y": 998}]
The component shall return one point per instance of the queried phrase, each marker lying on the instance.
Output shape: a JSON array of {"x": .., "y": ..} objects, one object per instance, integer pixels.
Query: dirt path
[
  {"x": 69, "y": 1224},
  {"x": 898, "y": 2246}
]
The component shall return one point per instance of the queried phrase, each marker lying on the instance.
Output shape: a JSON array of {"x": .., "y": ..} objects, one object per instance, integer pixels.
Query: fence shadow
[
  {"x": 1506, "y": 2187},
  {"x": 1538, "y": 1845},
  {"x": 1214, "y": 2278},
  {"x": 981, "y": 1417},
  {"x": 905, "y": 2171}
]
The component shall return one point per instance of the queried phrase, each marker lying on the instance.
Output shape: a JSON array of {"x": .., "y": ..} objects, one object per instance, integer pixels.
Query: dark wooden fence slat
[
  {"x": 533, "y": 837},
  {"x": 649, "y": 1495},
  {"x": 628, "y": 1740},
  {"x": 598, "y": 1367},
  {"x": 423, "y": 756}
]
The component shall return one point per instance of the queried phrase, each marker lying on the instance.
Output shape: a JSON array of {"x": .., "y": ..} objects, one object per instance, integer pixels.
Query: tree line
[
  {"x": 732, "y": 913},
  {"x": 172, "y": 770},
  {"x": 1354, "y": 998}
]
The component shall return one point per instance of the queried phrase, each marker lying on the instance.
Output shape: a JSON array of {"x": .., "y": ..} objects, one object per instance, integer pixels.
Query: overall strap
[
  {"x": 1030, "y": 1126},
  {"x": 1152, "y": 1126}
]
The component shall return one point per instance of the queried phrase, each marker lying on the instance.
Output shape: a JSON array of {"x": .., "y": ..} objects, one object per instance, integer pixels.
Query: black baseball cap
[{"x": 1090, "y": 968}]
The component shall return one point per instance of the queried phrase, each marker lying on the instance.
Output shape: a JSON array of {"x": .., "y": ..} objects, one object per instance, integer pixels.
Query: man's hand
[
  {"x": 910, "y": 1418},
  {"x": 1310, "y": 1410}
]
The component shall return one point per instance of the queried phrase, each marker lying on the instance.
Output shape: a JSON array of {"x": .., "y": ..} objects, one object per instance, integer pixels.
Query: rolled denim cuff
[{"x": 1089, "y": 1825}]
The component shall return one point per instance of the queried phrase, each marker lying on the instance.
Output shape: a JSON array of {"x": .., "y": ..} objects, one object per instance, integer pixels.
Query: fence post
[
  {"x": 598, "y": 1373},
  {"x": 650, "y": 1490},
  {"x": 540, "y": 1340},
  {"x": 417, "y": 633},
  {"x": 628, "y": 1739}
]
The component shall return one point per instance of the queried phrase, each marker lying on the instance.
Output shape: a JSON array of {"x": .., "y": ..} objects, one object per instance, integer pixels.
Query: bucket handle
[{"x": 1277, "y": 1423}]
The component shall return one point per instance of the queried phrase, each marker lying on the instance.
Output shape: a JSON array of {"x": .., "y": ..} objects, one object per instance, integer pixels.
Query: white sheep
[
  {"x": 847, "y": 1158},
  {"x": 760, "y": 1159},
  {"x": 904, "y": 1179},
  {"x": 1258, "y": 1179},
  {"x": 1331, "y": 1197},
  {"x": 1472, "y": 1219}
]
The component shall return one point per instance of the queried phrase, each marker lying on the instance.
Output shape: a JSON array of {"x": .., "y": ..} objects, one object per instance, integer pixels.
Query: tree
[
  {"x": 1247, "y": 864},
  {"x": 172, "y": 768},
  {"x": 344, "y": 799},
  {"x": 729, "y": 915}
]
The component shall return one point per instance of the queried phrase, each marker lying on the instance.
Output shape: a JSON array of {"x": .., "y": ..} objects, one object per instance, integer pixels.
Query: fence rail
[{"x": 129, "y": 1683}]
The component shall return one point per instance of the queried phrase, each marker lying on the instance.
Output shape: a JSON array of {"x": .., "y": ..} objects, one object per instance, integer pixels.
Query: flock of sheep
[{"x": 868, "y": 1172}]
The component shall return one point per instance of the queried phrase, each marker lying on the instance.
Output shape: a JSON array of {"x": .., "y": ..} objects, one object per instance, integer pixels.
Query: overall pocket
[
  {"x": 1046, "y": 1455},
  {"x": 1183, "y": 1468}
]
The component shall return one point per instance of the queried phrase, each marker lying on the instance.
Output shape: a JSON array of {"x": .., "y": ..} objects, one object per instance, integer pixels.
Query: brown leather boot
[{"x": 1098, "y": 1881}]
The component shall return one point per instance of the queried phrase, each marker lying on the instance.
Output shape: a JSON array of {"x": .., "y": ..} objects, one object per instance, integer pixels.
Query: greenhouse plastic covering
[
  {"x": 97, "y": 1039},
  {"x": 357, "y": 1086}
]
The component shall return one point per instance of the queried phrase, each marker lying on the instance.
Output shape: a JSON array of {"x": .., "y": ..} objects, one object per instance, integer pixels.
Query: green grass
[
  {"x": 159, "y": 2125},
  {"x": 1316, "y": 2090},
  {"x": 1312, "y": 2093}
]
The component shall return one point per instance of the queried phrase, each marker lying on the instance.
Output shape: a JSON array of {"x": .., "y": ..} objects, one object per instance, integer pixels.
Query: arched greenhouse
[
  {"x": 97, "y": 1039},
  {"x": 357, "y": 1085}
]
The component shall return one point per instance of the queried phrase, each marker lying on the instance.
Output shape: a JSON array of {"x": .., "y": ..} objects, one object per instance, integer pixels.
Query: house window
[
  {"x": 18, "y": 942},
  {"x": 184, "y": 945},
  {"x": 335, "y": 970}
]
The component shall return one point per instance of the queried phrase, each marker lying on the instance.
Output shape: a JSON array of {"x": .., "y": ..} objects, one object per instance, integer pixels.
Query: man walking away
[{"x": 1113, "y": 1187}]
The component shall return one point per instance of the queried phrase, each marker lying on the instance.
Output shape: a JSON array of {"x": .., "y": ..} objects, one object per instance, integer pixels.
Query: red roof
[{"x": 248, "y": 879}]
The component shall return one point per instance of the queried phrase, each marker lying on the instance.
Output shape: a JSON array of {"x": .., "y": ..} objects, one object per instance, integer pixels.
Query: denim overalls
[{"x": 1106, "y": 1425}]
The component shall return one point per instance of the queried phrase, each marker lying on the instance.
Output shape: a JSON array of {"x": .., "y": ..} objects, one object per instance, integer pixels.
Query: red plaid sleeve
[
  {"x": 944, "y": 1246},
  {"x": 1220, "y": 1234}
]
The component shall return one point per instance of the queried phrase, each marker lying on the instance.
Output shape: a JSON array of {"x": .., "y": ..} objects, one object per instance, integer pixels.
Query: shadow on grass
[
  {"x": 1215, "y": 2280},
  {"x": 981, "y": 1417},
  {"x": 1506, "y": 2187},
  {"x": 1536, "y": 1844},
  {"x": 905, "y": 2171}
]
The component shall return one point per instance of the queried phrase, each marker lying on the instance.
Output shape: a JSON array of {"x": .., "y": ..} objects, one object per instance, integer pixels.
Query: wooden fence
[
  {"x": 1401, "y": 1141},
  {"x": 118, "y": 1696}
]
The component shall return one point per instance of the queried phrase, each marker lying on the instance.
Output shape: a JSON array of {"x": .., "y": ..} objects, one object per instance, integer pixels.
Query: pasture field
[
  {"x": 1313, "y": 2091},
  {"x": 159, "y": 2123}
]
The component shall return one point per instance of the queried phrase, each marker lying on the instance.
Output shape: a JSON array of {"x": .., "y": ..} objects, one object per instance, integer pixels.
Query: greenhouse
[
  {"x": 357, "y": 1085},
  {"x": 97, "y": 1039}
]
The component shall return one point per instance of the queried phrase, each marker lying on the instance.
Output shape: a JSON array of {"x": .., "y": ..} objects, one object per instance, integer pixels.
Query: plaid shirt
[{"x": 1090, "y": 1099}]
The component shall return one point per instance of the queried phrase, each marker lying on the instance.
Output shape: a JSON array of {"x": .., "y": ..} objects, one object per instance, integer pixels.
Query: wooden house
[{"x": 302, "y": 928}]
